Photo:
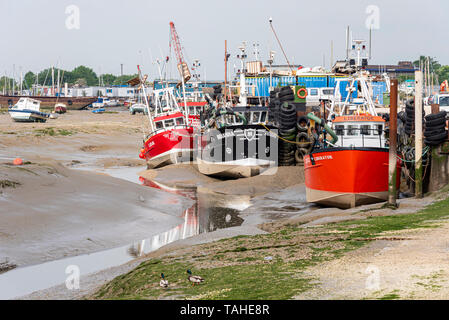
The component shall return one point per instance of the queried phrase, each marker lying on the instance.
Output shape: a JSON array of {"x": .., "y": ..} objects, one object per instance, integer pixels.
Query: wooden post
[
  {"x": 418, "y": 134},
  {"x": 392, "y": 192}
]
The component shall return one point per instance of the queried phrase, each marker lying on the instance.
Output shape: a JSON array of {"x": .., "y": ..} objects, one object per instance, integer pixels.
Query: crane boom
[{"x": 182, "y": 65}]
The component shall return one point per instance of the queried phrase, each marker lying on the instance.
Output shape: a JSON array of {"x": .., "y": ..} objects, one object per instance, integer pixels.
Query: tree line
[{"x": 81, "y": 76}]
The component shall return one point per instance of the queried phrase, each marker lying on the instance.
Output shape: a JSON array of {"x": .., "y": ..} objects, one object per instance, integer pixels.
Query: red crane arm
[{"x": 176, "y": 43}]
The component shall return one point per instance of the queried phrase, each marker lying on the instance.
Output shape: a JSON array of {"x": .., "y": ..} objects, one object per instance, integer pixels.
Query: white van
[
  {"x": 315, "y": 95},
  {"x": 443, "y": 100}
]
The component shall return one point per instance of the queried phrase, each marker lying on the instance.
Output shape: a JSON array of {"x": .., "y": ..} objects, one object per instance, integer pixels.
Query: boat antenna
[
  {"x": 272, "y": 28},
  {"x": 370, "y": 41}
]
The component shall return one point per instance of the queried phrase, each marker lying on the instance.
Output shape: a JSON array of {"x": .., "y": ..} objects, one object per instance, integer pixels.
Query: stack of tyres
[
  {"x": 287, "y": 134},
  {"x": 274, "y": 105},
  {"x": 410, "y": 117},
  {"x": 286, "y": 94},
  {"x": 435, "y": 133},
  {"x": 304, "y": 143},
  {"x": 217, "y": 92}
]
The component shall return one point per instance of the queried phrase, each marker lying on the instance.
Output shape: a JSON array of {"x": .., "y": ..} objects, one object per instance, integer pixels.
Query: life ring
[{"x": 304, "y": 93}]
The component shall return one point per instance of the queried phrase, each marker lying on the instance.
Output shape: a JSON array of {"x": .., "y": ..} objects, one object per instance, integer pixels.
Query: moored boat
[
  {"x": 27, "y": 110},
  {"x": 354, "y": 170},
  {"x": 72, "y": 103},
  {"x": 171, "y": 138}
]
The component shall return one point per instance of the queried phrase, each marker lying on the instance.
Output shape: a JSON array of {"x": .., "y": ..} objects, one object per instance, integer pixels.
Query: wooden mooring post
[
  {"x": 418, "y": 134},
  {"x": 392, "y": 177}
]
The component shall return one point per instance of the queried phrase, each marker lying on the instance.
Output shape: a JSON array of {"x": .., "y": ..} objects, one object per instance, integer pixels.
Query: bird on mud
[
  {"x": 194, "y": 279},
  {"x": 163, "y": 283}
]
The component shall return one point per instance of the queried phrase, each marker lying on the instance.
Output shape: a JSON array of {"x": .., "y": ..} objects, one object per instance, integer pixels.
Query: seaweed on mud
[
  {"x": 6, "y": 266},
  {"x": 8, "y": 184}
]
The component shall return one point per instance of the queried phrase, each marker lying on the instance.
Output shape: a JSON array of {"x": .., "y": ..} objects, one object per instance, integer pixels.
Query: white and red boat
[
  {"x": 353, "y": 172},
  {"x": 171, "y": 138}
]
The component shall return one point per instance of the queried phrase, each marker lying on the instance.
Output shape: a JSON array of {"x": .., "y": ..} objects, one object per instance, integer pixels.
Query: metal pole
[
  {"x": 226, "y": 70},
  {"x": 418, "y": 133},
  {"x": 392, "y": 169}
]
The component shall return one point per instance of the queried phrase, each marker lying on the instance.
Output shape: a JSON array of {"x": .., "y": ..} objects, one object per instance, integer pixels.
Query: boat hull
[
  {"x": 234, "y": 152},
  {"x": 169, "y": 147},
  {"x": 28, "y": 116},
  {"x": 348, "y": 177},
  {"x": 244, "y": 168},
  {"x": 72, "y": 103}
]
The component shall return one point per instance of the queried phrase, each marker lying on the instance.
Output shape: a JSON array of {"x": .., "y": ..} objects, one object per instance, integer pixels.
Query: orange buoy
[{"x": 17, "y": 162}]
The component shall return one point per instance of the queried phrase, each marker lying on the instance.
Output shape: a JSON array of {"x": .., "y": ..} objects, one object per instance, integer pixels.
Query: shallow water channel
[{"x": 206, "y": 215}]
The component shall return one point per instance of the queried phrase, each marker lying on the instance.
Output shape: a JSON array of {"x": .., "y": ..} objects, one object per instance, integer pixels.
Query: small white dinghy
[{"x": 27, "y": 110}]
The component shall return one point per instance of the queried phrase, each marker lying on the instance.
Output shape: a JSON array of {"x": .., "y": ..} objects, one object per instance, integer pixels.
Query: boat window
[
  {"x": 380, "y": 129},
  {"x": 313, "y": 92},
  {"x": 192, "y": 110},
  {"x": 263, "y": 116},
  {"x": 179, "y": 121},
  {"x": 169, "y": 123},
  {"x": 340, "y": 130},
  {"x": 328, "y": 91},
  {"x": 353, "y": 130},
  {"x": 238, "y": 120},
  {"x": 198, "y": 110},
  {"x": 255, "y": 117},
  {"x": 365, "y": 130},
  {"x": 159, "y": 124}
]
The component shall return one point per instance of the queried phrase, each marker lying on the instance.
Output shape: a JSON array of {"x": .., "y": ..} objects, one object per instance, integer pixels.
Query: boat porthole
[{"x": 69, "y": 102}]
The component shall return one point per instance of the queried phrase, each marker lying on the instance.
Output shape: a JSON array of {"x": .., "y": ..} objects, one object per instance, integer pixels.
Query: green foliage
[
  {"x": 86, "y": 73},
  {"x": 443, "y": 73}
]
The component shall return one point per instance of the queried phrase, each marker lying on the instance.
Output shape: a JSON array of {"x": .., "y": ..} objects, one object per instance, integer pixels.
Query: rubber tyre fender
[
  {"x": 435, "y": 123},
  {"x": 438, "y": 137},
  {"x": 433, "y": 143},
  {"x": 439, "y": 115}
]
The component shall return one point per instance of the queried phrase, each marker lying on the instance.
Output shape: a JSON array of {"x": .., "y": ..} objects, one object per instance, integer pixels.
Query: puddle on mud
[{"x": 206, "y": 215}]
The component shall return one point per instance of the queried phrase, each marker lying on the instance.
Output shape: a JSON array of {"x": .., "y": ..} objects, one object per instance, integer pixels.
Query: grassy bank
[{"x": 270, "y": 266}]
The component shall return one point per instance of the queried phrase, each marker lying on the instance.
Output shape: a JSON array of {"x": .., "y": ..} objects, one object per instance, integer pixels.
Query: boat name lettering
[{"x": 328, "y": 157}]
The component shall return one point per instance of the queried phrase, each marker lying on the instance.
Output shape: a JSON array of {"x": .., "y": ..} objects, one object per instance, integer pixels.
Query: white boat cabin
[
  {"x": 360, "y": 131},
  {"x": 27, "y": 104}
]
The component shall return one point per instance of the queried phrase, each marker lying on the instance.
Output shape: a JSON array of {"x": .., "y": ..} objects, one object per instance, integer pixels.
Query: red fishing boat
[
  {"x": 171, "y": 138},
  {"x": 354, "y": 170}
]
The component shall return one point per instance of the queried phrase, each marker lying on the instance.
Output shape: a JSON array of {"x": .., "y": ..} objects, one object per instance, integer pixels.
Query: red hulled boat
[
  {"x": 171, "y": 138},
  {"x": 354, "y": 171}
]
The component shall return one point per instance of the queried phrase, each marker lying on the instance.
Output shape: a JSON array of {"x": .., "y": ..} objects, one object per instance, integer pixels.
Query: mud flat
[{"x": 49, "y": 212}]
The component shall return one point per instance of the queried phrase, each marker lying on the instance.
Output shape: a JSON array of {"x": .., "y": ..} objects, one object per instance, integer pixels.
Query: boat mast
[
  {"x": 142, "y": 84},
  {"x": 242, "y": 56}
]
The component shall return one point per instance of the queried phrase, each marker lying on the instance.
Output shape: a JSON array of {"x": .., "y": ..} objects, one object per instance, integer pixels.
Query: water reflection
[{"x": 208, "y": 214}]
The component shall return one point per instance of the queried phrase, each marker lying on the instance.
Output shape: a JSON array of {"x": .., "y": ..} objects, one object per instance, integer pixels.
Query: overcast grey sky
[{"x": 34, "y": 34}]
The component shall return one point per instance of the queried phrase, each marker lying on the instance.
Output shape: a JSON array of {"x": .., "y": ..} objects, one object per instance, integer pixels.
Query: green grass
[
  {"x": 235, "y": 268},
  {"x": 53, "y": 132}
]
